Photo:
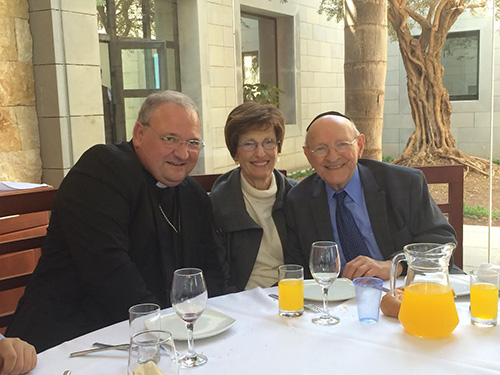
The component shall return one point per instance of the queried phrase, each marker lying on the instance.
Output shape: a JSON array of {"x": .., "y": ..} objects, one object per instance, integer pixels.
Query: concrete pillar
[{"x": 67, "y": 82}]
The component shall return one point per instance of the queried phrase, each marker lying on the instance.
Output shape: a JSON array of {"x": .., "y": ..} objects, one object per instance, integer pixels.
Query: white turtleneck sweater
[{"x": 259, "y": 204}]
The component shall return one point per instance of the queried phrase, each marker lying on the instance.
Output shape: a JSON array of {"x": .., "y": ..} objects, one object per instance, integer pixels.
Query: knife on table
[{"x": 99, "y": 349}]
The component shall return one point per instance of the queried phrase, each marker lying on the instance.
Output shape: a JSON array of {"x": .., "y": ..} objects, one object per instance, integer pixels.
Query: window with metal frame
[
  {"x": 268, "y": 60},
  {"x": 139, "y": 48},
  {"x": 460, "y": 59}
]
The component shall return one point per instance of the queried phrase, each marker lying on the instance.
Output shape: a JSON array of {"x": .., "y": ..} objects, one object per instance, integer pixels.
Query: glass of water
[{"x": 151, "y": 352}]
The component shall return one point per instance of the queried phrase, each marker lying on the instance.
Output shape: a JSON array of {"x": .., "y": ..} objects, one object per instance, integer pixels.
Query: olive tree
[{"x": 421, "y": 27}]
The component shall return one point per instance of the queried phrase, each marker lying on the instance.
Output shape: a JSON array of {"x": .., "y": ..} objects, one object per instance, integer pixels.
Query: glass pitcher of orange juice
[{"x": 428, "y": 307}]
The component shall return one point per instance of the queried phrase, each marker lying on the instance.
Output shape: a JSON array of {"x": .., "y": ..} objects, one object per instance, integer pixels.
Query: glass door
[
  {"x": 139, "y": 55},
  {"x": 138, "y": 68}
]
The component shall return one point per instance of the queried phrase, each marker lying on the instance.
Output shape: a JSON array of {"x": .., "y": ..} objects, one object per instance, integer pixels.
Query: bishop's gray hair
[{"x": 156, "y": 99}]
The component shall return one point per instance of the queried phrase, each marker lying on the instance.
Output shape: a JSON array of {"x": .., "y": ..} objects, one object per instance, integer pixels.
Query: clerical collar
[{"x": 169, "y": 200}]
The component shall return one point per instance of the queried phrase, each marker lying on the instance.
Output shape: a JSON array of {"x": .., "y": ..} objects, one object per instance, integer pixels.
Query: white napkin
[
  {"x": 10, "y": 185},
  {"x": 488, "y": 266}
]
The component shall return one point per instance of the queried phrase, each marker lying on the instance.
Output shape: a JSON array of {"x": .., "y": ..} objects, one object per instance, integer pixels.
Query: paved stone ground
[{"x": 476, "y": 246}]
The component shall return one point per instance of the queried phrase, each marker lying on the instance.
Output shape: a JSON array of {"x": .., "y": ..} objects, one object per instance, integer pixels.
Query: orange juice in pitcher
[
  {"x": 428, "y": 310},
  {"x": 428, "y": 307}
]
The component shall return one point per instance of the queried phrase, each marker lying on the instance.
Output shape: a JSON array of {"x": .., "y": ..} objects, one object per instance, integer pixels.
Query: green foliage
[
  {"x": 475, "y": 212},
  {"x": 332, "y": 9},
  {"x": 387, "y": 159},
  {"x": 132, "y": 16},
  {"x": 262, "y": 93},
  {"x": 301, "y": 174},
  {"x": 496, "y": 161}
]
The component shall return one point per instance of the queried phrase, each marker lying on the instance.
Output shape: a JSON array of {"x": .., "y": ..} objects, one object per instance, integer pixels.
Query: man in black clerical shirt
[{"x": 125, "y": 217}]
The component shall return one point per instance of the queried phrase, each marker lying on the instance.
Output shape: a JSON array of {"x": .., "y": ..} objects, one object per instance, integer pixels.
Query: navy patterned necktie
[{"x": 351, "y": 239}]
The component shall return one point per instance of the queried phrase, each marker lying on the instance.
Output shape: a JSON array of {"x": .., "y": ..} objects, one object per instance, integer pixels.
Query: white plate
[
  {"x": 340, "y": 290},
  {"x": 460, "y": 284},
  {"x": 209, "y": 324}
]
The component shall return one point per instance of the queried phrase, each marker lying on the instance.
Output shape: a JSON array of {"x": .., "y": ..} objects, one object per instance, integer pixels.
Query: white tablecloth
[{"x": 261, "y": 342}]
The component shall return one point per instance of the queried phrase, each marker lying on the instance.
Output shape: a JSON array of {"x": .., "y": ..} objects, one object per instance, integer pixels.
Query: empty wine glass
[
  {"x": 324, "y": 264},
  {"x": 189, "y": 298}
]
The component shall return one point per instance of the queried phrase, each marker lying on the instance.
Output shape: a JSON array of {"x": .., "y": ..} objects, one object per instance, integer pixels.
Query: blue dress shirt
[{"x": 355, "y": 202}]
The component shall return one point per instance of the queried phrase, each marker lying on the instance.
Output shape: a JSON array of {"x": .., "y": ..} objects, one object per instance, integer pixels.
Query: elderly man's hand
[
  {"x": 16, "y": 356},
  {"x": 366, "y": 266}
]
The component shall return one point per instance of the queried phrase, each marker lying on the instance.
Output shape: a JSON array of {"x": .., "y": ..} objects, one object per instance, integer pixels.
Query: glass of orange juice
[
  {"x": 291, "y": 290},
  {"x": 484, "y": 285}
]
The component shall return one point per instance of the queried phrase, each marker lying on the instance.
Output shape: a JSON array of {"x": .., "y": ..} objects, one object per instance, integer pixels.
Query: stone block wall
[
  {"x": 19, "y": 137},
  {"x": 318, "y": 64},
  {"x": 224, "y": 84}
]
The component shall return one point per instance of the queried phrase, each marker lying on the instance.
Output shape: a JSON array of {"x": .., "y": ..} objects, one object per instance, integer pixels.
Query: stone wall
[
  {"x": 318, "y": 67},
  {"x": 19, "y": 137}
]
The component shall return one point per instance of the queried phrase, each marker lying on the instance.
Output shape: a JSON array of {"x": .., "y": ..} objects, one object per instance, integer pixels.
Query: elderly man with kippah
[{"x": 370, "y": 208}]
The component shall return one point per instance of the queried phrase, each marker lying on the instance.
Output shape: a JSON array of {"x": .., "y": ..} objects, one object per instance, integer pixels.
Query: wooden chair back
[
  {"x": 208, "y": 180},
  {"x": 24, "y": 216},
  {"x": 453, "y": 176}
]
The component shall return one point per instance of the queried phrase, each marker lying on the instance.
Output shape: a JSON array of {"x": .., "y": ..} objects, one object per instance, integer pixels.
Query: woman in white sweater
[{"x": 248, "y": 201}]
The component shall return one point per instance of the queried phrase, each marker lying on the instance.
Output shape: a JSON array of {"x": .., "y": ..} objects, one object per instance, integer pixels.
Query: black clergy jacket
[{"x": 108, "y": 247}]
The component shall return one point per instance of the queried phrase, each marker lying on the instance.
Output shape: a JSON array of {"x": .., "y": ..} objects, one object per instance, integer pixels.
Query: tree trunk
[
  {"x": 429, "y": 102},
  {"x": 365, "y": 46},
  {"x": 432, "y": 141}
]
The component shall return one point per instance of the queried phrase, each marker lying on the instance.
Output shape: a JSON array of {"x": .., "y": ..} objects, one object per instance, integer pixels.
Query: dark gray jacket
[
  {"x": 238, "y": 235},
  {"x": 399, "y": 205}
]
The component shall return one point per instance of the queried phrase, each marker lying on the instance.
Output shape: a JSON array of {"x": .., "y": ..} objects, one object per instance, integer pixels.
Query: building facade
[{"x": 88, "y": 73}]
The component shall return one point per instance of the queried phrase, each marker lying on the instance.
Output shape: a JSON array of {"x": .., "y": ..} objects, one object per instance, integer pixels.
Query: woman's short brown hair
[{"x": 251, "y": 116}]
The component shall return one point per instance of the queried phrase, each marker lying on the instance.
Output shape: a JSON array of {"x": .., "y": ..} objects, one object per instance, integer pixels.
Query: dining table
[{"x": 262, "y": 342}]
